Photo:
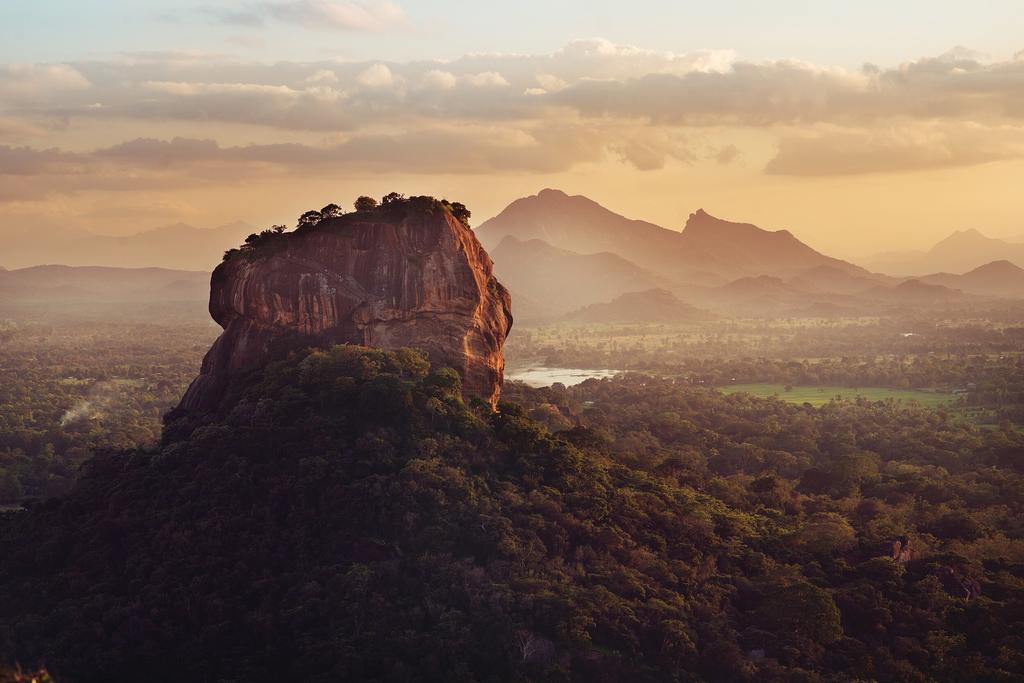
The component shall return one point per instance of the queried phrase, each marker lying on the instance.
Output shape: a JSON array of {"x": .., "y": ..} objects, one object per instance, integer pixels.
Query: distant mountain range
[
  {"x": 89, "y": 290},
  {"x": 178, "y": 246},
  {"x": 567, "y": 255},
  {"x": 708, "y": 251},
  {"x": 960, "y": 252}
]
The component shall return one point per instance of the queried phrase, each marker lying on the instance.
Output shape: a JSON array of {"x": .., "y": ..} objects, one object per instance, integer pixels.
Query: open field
[{"x": 817, "y": 396}]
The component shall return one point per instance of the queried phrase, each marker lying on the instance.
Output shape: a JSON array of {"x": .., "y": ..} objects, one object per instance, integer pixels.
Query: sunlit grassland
[{"x": 818, "y": 396}]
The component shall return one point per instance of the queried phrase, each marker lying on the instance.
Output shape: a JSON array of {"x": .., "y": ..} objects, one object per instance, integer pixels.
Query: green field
[{"x": 817, "y": 396}]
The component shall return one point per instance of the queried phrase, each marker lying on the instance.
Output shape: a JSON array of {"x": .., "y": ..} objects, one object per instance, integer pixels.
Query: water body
[{"x": 543, "y": 377}]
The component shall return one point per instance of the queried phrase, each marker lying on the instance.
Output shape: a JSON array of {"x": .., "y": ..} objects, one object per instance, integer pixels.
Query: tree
[
  {"x": 460, "y": 211},
  {"x": 278, "y": 229},
  {"x": 391, "y": 197},
  {"x": 310, "y": 218},
  {"x": 803, "y": 609},
  {"x": 365, "y": 203},
  {"x": 332, "y": 211}
]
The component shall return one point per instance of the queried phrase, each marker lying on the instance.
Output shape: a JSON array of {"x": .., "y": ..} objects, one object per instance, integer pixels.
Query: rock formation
[{"x": 407, "y": 274}]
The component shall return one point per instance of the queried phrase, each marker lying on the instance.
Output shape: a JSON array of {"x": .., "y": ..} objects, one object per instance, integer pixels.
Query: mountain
[
  {"x": 915, "y": 293},
  {"x": 820, "y": 293},
  {"x": 651, "y": 306},
  {"x": 829, "y": 279},
  {"x": 178, "y": 246},
  {"x": 143, "y": 294},
  {"x": 581, "y": 225},
  {"x": 999, "y": 278},
  {"x": 406, "y": 274},
  {"x": 556, "y": 281},
  {"x": 708, "y": 251},
  {"x": 962, "y": 251},
  {"x": 60, "y": 283},
  {"x": 745, "y": 250}
]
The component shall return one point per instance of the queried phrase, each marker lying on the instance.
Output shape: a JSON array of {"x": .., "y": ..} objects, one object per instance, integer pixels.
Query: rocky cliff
[{"x": 408, "y": 274}]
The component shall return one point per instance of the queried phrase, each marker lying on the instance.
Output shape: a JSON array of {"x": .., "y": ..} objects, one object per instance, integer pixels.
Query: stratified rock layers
[{"x": 379, "y": 279}]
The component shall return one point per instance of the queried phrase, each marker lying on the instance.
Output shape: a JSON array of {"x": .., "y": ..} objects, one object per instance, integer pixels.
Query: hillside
[
  {"x": 557, "y": 280},
  {"x": 651, "y": 306},
  {"x": 349, "y": 517},
  {"x": 745, "y": 250}
]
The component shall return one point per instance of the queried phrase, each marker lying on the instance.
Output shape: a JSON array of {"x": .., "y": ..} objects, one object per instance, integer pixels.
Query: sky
[{"x": 861, "y": 127}]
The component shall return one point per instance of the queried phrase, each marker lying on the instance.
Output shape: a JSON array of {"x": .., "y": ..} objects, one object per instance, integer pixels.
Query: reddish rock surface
[{"x": 385, "y": 278}]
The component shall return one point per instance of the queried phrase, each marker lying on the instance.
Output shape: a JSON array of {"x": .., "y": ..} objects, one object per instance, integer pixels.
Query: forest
[
  {"x": 350, "y": 517},
  {"x": 71, "y": 387}
]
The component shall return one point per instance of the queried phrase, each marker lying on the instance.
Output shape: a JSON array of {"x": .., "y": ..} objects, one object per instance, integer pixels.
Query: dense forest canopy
[{"x": 350, "y": 517}]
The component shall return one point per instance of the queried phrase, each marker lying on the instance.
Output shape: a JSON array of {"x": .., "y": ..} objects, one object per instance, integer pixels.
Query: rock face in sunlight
[{"x": 406, "y": 275}]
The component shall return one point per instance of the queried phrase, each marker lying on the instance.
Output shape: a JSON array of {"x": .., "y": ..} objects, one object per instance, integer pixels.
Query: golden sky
[{"x": 852, "y": 159}]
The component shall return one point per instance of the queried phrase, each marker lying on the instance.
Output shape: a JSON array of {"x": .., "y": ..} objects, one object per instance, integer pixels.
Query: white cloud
[
  {"x": 486, "y": 79},
  {"x": 321, "y": 76},
  {"x": 376, "y": 76},
  {"x": 37, "y": 83},
  {"x": 435, "y": 79}
]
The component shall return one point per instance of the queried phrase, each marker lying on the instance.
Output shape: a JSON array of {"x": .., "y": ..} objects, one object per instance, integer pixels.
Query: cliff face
[{"x": 385, "y": 279}]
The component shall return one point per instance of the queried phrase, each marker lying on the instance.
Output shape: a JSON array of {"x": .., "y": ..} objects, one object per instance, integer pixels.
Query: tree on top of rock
[
  {"x": 310, "y": 218},
  {"x": 365, "y": 204},
  {"x": 460, "y": 211},
  {"x": 332, "y": 211}
]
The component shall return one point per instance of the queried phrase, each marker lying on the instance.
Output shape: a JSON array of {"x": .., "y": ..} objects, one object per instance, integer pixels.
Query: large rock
[{"x": 410, "y": 274}]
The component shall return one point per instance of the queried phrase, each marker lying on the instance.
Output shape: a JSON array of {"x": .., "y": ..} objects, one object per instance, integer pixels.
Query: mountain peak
[{"x": 551, "y": 193}]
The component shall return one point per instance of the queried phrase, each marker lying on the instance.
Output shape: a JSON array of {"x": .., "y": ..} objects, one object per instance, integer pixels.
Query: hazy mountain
[
  {"x": 87, "y": 281},
  {"x": 651, "y": 306},
  {"x": 916, "y": 293},
  {"x": 178, "y": 246},
  {"x": 548, "y": 281},
  {"x": 106, "y": 291},
  {"x": 583, "y": 226},
  {"x": 823, "y": 279},
  {"x": 805, "y": 295},
  {"x": 960, "y": 252},
  {"x": 708, "y": 251},
  {"x": 999, "y": 278},
  {"x": 743, "y": 249}
]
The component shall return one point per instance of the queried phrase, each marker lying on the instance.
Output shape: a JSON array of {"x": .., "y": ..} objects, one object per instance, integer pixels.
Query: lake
[{"x": 544, "y": 377}]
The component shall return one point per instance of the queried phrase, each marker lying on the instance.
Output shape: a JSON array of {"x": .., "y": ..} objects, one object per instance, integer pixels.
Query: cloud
[
  {"x": 376, "y": 76},
  {"x": 353, "y": 15},
  {"x": 727, "y": 154},
  {"x": 650, "y": 149},
  {"x": 487, "y": 79},
  {"x": 23, "y": 84},
  {"x": 149, "y": 163},
  {"x": 592, "y": 79},
  {"x": 436, "y": 79},
  {"x": 906, "y": 147},
  {"x": 644, "y": 107}
]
